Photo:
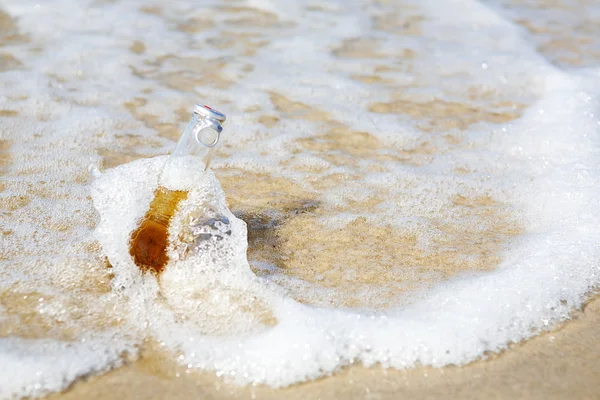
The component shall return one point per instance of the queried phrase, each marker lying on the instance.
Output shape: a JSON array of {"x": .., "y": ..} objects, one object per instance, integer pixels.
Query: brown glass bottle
[{"x": 148, "y": 244}]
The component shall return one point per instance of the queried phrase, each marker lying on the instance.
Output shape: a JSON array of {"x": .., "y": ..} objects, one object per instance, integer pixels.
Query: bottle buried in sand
[{"x": 149, "y": 241}]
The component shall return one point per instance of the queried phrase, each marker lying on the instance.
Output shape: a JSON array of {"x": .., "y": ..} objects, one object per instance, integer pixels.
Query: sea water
[{"x": 406, "y": 182}]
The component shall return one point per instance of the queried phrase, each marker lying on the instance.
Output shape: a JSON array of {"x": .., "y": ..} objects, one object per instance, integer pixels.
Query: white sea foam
[
  {"x": 546, "y": 273},
  {"x": 36, "y": 367},
  {"x": 77, "y": 72}
]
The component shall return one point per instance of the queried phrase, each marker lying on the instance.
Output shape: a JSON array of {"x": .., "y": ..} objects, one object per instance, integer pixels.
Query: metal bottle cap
[{"x": 209, "y": 112}]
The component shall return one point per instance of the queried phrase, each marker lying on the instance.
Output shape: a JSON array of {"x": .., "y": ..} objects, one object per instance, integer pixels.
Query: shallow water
[{"x": 418, "y": 181}]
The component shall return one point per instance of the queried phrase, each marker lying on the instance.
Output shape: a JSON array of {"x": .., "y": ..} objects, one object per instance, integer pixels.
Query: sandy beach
[
  {"x": 394, "y": 160},
  {"x": 561, "y": 364}
]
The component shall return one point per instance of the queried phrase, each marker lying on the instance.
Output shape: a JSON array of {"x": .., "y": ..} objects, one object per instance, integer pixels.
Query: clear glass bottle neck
[
  {"x": 198, "y": 139},
  {"x": 193, "y": 151}
]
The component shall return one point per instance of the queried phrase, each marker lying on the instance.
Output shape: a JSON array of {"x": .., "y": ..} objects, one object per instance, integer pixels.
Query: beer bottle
[{"x": 149, "y": 241}]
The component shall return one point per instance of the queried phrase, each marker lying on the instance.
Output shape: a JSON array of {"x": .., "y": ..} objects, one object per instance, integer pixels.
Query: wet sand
[
  {"x": 562, "y": 363},
  {"x": 556, "y": 365}
]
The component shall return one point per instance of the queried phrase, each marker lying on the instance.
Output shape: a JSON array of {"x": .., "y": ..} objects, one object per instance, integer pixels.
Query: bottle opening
[{"x": 208, "y": 136}]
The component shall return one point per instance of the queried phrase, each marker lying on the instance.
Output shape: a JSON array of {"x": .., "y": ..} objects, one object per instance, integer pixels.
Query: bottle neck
[
  {"x": 198, "y": 139},
  {"x": 193, "y": 151}
]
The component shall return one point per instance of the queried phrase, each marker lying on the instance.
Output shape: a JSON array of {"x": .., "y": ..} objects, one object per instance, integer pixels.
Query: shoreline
[
  {"x": 561, "y": 363},
  {"x": 372, "y": 151}
]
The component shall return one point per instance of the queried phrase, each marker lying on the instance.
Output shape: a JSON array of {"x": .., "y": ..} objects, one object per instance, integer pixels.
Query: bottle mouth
[
  {"x": 208, "y": 135},
  {"x": 209, "y": 112}
]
